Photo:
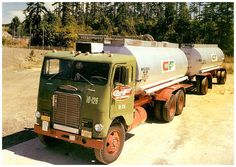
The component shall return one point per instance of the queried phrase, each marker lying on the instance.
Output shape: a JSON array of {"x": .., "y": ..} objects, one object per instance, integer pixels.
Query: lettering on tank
[
  {"x": 168, "y": 65},
  {"x": 145, "y": 71},
  {"x": 214, "y": 57}
]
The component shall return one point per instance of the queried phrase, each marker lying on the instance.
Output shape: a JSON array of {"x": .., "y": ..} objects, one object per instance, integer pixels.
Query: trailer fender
[{"x": 165, "y": 94}]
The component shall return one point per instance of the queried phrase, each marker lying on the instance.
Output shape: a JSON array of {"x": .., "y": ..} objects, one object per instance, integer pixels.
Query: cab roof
[{"x": 92, "y": 57}]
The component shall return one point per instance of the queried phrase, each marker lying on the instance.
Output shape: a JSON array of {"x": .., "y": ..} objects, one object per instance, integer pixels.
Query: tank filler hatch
[{"x": 199, "y": 45}]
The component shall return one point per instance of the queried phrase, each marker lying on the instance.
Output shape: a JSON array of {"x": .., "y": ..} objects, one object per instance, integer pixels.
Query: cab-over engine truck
[{"x": 93, "y": 99}]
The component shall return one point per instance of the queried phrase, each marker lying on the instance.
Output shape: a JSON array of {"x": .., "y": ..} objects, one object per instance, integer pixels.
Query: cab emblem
[{"x": 121, "y": 92}]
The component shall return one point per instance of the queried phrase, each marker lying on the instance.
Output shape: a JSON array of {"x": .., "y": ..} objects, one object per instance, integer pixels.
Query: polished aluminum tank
[
  {"x": 157, "y": 62},
  {"x": 203, "y": 58}
]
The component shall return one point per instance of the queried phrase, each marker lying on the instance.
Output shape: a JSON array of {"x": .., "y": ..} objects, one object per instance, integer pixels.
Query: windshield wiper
[
  {"x": 77, "y": 73},
  {"x": 54, "y": 75}
]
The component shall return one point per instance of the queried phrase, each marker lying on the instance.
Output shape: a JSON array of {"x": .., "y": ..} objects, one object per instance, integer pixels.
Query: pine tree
[{"x": 14, "y": 26}]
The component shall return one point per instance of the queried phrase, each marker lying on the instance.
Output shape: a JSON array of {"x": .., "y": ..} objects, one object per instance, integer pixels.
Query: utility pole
[
  {"x": 43, "y": 36},
  {"x": 30, "y": 35}
]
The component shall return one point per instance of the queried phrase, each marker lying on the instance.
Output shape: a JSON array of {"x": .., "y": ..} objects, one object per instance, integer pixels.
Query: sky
[{"x": 12, "y": 9}]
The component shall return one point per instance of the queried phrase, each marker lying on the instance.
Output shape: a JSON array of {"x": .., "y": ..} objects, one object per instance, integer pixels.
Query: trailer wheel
[
  {"x": 158, "y": 110},
  {"x": 204, "y": 86},
  {"x": 218, "y": 76},
  {"x": 48, "y": 141},
  {"x": 180, "y": 100},
  {"x": 113, "y": 146},
  {"x": 223, "y": 77},
  {"x": 169, "y": 109}
]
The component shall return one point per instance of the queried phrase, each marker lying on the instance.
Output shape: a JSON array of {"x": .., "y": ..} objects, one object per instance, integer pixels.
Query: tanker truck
[{"x": 93, "y": 99}]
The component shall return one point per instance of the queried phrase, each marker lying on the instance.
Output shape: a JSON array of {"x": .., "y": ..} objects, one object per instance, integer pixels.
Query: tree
[
  {"x": 67, "y": 17},
  {"x": 196, "y": 22},
  {"x": 14, "y": 26},
  {"x": 34, "y": 12},
  {"x": 182, "y": 24}
]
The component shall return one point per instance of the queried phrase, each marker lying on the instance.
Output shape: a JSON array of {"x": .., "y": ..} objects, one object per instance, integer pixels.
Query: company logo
[
  {"x": 121, "y": 92},
  {"x": 214, "y": 57},
  {"x": 168, "y": 65}
]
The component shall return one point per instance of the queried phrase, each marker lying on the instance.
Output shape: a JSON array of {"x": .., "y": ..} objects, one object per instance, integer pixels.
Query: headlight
[
  {"x": 98, "y": 127},
  {"x": 37, "y": 114}
]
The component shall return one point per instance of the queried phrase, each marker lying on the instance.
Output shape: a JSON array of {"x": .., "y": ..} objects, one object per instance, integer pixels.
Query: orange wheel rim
[
  {"x": 172, "y": 109},
  {"x": 113, "y": 142},
  {"x": 181, "y": 102}
]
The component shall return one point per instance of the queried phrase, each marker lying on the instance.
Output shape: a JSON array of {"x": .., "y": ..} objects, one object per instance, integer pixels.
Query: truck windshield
[
  {"x": 96, "y": 73},
  {"x": 78, "y": 71},
  {"x": 57, "y": 68}
]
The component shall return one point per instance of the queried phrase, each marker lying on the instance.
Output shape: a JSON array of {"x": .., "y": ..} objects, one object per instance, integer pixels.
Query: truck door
[{"x": 122, "y": 92}]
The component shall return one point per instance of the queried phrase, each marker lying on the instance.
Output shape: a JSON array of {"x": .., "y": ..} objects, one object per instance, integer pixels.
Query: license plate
[
  {"x": 45, "y": 118},
  {"x": 45, "y": 125},
  {"x": 72, "y": 137},
  {"x": 86, "y": 133}
]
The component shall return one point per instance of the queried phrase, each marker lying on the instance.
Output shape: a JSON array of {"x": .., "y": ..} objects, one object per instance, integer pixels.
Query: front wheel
[{"x": 113, "y": 145}]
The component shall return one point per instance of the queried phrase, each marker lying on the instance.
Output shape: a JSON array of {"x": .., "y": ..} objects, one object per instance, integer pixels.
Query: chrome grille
[{"x": 66, "y": 109}]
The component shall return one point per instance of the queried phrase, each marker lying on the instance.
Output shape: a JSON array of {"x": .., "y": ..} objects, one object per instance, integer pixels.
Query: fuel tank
[
  {"x": 157, "y": 62},
  {"x": 202, "y": 57}
]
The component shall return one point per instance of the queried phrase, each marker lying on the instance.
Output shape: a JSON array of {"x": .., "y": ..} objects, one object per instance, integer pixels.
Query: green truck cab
[{"x": 86, "y": 99}]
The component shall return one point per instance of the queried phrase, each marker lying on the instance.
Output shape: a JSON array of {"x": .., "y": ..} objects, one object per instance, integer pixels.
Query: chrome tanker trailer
[
  {"x": 93, "y": 99},
  {"x": 204, "y": 64},
  {"x": 159, "y": 64}
]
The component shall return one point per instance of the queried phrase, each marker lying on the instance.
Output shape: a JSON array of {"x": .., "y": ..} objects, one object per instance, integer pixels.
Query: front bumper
[{"x": 70, "y": 137}]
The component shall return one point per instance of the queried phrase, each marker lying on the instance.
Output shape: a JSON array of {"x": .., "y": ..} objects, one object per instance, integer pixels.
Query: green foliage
[
  {"x": 196, "y": 22},
  {"x": 14, "y": 26}
]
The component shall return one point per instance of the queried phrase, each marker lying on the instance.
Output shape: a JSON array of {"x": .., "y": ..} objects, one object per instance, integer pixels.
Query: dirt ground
[{"x": 203, "y": 134}]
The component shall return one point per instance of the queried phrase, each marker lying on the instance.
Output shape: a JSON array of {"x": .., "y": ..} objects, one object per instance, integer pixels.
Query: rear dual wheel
[
  {"x": 165, "y": 111},
  {"x": 113, "y": 146},
  {"x": 180, "y": 101},
  {"x": 169, "y": 109},
  {"x": 221, "y": 77},
  {"x": 202, "y": 85}
]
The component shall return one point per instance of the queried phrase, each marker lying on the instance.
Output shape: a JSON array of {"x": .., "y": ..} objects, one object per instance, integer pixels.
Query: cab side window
[{"x": 120, "y": 75}]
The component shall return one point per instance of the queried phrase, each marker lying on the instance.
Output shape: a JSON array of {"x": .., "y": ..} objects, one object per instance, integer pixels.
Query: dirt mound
[{"x": 20, "y": 58}]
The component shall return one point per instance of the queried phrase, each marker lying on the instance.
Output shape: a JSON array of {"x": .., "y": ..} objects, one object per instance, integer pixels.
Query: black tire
[
  {"x": 158, "y": 110},
  {"x": 204, "y": 86},
  {"x": 48, "y": 141},
  {"x": 218, "y": 77},
  {"x": 198, "y": 85},
  {"x": 223, "y": 77},
  {"x": 108, "y": 154},
  {"x": 169, "y": 109},
  {"x": 180, "y": 101}
]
